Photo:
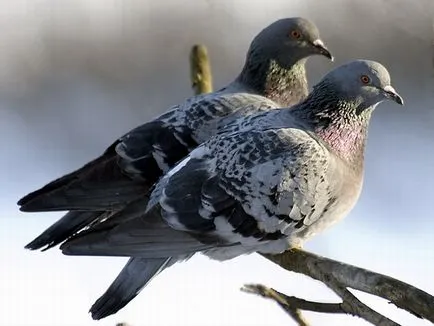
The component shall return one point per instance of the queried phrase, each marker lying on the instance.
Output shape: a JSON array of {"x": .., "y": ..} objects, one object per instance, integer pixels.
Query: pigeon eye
[
  {"x": 365, "y": 79},
  {"x": 295, "y": 34}
]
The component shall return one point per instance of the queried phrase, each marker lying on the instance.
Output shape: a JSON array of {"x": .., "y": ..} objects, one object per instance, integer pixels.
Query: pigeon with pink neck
[{"x": 269, "y": 183}]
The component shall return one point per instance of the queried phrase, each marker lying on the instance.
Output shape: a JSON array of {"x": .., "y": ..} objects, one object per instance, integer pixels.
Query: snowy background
[{"x": 74, "y": 75}]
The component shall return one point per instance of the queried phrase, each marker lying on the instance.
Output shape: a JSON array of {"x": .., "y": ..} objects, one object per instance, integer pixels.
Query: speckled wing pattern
[
  {"x": 202, "y": 117},
  {"x": 250, "y": 187}
]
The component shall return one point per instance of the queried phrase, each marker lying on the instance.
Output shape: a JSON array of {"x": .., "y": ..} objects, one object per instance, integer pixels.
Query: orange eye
[
  {"x": 295, "y": 34},
  {"x": 365, "y": 79}
]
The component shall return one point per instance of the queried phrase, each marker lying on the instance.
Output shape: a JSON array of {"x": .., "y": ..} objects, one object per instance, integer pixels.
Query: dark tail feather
[
  {"x": 67, "y": 226},
  {"x": 145, "y": 235},
  {"x": 74, "y": 221},
  {"x": 136, "y": 274}
]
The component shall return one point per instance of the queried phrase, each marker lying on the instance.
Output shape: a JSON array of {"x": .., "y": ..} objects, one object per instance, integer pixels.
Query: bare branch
[
  {"x": 350, "y": 305},
  {"x": 200, "y": 70},
  {"x": 334, "y": 308},
  {"x": 291, "y": 305},
  {"x": 295, "y": 314},
  {"x": 403, "y": 295}
]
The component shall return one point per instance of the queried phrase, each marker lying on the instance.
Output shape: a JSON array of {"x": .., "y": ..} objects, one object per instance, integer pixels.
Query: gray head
[
  {"x": 340, "y": 106},
  {"x": 363, "y": 82},
  {"x": 275, "y": 63},
  {"x": 289, "y": 40}
]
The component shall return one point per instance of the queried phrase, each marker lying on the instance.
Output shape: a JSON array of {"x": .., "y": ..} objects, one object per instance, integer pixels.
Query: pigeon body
[{"x": 270, "y": 182}]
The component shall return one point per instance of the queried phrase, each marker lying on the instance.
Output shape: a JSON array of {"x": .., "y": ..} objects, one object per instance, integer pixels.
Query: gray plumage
[
  {"x": 271, "y": 182},
  {"x": 273, "y": 75},
  {"x": 125, "y": 287}
]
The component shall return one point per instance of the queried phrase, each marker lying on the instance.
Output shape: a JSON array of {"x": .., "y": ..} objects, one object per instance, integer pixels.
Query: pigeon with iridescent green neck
[
  {"x": 274, "y": 72},
  {"x": 273, "y": 75},
  {"x": 282, "y": 177}
]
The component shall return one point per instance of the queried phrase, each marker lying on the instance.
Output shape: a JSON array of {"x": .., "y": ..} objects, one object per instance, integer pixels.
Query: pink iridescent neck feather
[
  {"x": 346, "y": 140},
  {"x": 338, "y": 122}
]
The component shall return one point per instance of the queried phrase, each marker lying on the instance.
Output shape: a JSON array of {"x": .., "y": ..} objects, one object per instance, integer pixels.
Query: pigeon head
[
  {"x": 289, "y": 40},
  {"x": 275, "y": 62},
  {"x": 339, "y": 108},
  {"x": 365, "y": 83}
]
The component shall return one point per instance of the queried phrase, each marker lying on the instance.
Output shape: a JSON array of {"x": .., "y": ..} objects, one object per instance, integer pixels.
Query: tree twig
[
  {"x": 292, "y": 305},
  {"x": 281, "y": 298},
  {"x": 200, "y": 70},
  {"x": 349, "y": 305}
]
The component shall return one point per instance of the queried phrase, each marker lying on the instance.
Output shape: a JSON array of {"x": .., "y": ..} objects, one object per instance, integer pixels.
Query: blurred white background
[{"x": 74, "y": 75}]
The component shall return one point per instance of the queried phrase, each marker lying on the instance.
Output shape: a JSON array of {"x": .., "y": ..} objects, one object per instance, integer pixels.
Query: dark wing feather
[
  {"x": 124, "y": 172},
  {"x": 70, "y": 177}
]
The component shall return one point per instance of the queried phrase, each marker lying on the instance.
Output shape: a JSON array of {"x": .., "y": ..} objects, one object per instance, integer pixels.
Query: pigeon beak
[
  {"x": 322, "y": 49},
  {"x": 393, "y": 95}
]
